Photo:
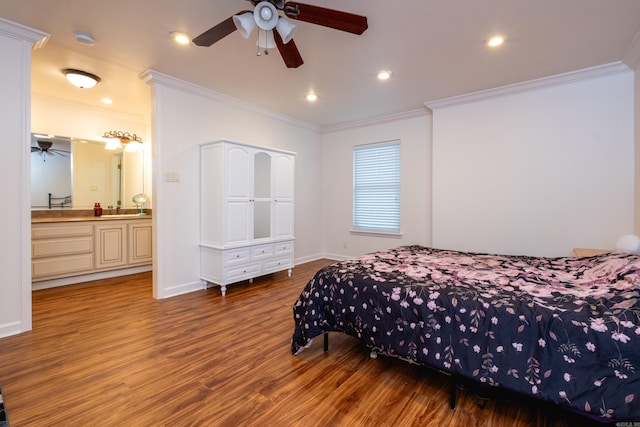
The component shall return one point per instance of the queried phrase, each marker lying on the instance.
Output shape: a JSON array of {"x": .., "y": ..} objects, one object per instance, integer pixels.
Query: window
[{"x": 376, "y": 187}]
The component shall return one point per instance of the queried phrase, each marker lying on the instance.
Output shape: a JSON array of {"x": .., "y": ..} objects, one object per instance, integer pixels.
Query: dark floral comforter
[{"x": 565, "y": 330}]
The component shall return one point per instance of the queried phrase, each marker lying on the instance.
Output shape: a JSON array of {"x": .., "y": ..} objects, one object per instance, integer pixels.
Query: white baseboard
[{"x": 46, "y": 284}]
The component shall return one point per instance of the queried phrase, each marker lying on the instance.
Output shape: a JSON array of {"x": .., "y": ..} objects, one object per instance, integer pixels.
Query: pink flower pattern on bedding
[{"x": 565, "y": 330}]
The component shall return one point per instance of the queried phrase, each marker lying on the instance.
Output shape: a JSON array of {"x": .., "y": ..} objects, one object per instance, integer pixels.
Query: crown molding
[
  {"x": 22, "y": 32},
  {"x": 153, "y": 76},
  {"x": 545, "y": 82},
  {"x": 420, "y": 112},
  {"x": 632, "y": 56}
]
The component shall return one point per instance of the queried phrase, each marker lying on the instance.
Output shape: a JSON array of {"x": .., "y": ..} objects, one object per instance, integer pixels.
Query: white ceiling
[{"x": 434, "y": 48}]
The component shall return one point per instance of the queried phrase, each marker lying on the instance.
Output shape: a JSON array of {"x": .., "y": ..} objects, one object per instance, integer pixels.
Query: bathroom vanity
[{"x": 72, "y": 249}]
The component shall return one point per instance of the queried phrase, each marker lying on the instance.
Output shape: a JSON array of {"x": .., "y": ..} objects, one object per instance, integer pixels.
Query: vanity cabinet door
[
  {"x": 140, "y": 247},
  {"x": 111, "y": 247}
]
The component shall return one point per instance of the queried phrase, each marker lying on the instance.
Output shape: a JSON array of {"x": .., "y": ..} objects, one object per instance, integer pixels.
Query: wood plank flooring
[{"x": 106, "y": 353}]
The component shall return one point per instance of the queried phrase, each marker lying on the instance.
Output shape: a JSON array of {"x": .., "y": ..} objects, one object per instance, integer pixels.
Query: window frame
[{"x": 393, "y": 183}]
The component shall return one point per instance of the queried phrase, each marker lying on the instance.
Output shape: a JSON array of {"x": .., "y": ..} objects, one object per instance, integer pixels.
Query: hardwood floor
[{"x": 106, "y": 353}]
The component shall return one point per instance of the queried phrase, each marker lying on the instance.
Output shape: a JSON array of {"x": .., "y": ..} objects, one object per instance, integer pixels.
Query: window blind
[{"x": 376, "y": 187}]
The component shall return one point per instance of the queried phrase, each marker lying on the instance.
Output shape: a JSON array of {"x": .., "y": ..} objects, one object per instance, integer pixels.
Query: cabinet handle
[{"x": 238, "y": 256}]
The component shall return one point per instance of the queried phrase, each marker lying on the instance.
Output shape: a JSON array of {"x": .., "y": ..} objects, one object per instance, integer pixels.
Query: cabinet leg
[
  {"x": 223, "y": 289},
  {"x": 289, "y": 272}
]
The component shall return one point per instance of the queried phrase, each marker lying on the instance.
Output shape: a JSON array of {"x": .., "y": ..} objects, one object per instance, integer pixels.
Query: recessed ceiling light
[
  {"x": 311, "y": 97},
  {"x": 384, "y": 75},
  {"x": 495, "y": 41},
  {"x": 107, "y": 101},
  {"x": 180, "y": 38}
]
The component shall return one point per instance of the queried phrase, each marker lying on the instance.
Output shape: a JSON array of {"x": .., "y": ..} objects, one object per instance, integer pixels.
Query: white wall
[
  {"x": 15, "y": 216},
  {"x": 536, "y": 172},
  {"x": 186, "y": 116},
  {"x": 414, "y": 133}
]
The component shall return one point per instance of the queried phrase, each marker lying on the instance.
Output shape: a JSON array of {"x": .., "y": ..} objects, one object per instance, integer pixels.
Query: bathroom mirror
[{"x": 71, "y": 173}]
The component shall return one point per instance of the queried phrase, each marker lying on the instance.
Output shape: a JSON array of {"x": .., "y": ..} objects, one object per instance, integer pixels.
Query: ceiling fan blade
[
  {"x": 60, "y": 152},
  {"x": 331, "y": 18},
  {"x": 33, "y": 149},
  {"x": 289, "y": 52},
  {"x": 217, "y": 32}
]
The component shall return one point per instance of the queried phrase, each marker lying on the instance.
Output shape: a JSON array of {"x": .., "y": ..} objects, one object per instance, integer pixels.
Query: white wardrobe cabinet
[{"x": 246, "y": 212}]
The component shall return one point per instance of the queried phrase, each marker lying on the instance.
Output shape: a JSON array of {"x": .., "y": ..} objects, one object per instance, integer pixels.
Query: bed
[{"x": 564, "y": 330}]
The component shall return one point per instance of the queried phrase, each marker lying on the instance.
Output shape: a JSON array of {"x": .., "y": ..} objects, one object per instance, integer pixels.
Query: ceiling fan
[
  {"x": 44, "y": 148},
  {"x": 266, "y": 15}
]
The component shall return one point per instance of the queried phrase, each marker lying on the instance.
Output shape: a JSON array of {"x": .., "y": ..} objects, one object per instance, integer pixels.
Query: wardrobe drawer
[
  {"x": 236, "y": 255},
  {"x": 282, "y": 248},
  {"x": 242, "y": 272},
  {"x": 262, "y": 251},
  {"x": 277, "y": 264}
]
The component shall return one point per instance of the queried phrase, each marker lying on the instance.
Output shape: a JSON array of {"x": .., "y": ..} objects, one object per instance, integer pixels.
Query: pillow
[{"x": 629, "y": 243}]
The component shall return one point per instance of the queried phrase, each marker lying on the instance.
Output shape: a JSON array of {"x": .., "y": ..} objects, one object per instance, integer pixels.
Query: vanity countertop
[
  {"x": 47, "y": 216},
  {"x": 90, "y": 218}
]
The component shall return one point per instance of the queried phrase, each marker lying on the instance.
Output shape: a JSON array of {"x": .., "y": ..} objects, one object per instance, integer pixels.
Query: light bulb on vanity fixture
[
  {"x": 81, "y": 79},
  {"x": 117, "y": 139}
]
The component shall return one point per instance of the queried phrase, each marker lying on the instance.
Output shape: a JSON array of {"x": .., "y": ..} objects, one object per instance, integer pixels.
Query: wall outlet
[{"x": 344, "y": 245}]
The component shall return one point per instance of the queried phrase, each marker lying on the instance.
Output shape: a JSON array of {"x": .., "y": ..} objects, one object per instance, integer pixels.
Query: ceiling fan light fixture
[
  {"x": 265, "y": 39},
  {"x": 245, "y": 23},
  {"x": 286, "y": 29},
  {"x": 81, "y": 79},
  {"x": 266, "y": 15}
]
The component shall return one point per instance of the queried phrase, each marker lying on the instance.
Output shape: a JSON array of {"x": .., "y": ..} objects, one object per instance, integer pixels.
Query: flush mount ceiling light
[
  {"x": 117, "y": 139},
  {"x": 85, "y": 39},
  {"x": 312, "y": 97},
  {"x": 81, "y": 79}
]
